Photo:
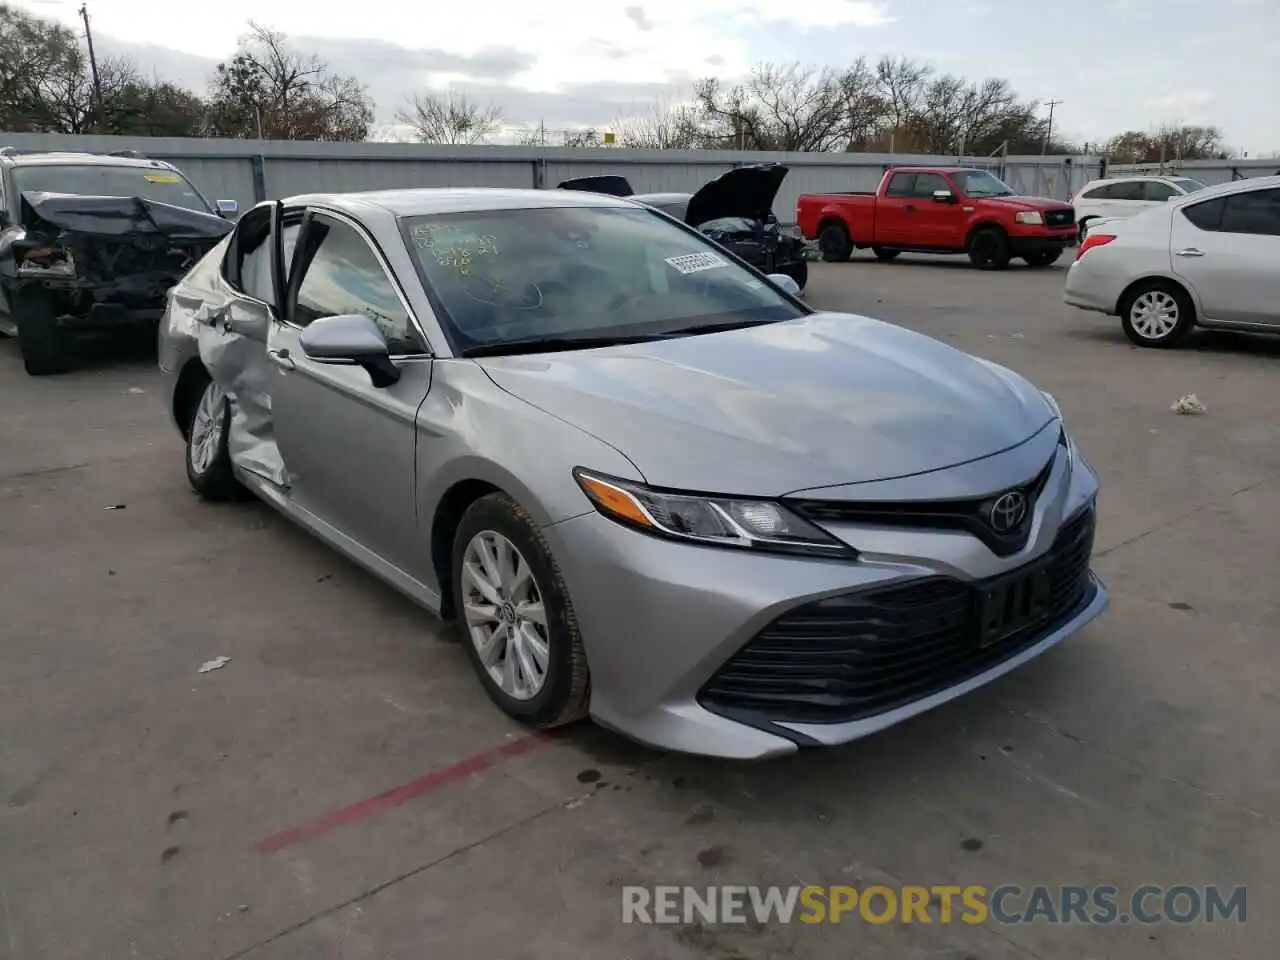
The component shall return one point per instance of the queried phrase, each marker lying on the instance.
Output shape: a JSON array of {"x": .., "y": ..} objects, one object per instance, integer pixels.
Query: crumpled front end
[{"x": 103, "y": 258}]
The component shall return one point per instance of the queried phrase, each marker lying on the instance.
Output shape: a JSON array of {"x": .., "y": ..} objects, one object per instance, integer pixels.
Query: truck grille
[
  {"x": 860, "y": 654},
  {"x": 1060, "y": 218}
]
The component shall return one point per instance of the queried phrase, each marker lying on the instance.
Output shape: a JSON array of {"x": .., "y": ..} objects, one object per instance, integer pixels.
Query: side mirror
[
  {"x": 943, "y": 196},
  {"x": 785, "y": 283},
  {"x": 227, "y": 208},
  {"x": 351, "y": 340}
]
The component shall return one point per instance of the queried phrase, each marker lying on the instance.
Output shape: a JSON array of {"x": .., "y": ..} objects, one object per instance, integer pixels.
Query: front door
[
  {"x": 348, "y": 446},
  {"x": 1227, "y": 250},
  {"x": 895, "y": 212},
  {"x": 939, "y": 225}
]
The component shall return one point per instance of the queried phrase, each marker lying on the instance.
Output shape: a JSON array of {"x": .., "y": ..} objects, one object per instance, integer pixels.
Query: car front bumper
[
  {"x": 662, "y": 620},
  {"x": 1047, "y": 242}
]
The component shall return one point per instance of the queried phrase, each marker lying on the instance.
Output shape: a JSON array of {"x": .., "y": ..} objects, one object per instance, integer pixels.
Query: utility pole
[
  {"x": 1044, "y": 144},
  {"x": 93, "y": 59}
]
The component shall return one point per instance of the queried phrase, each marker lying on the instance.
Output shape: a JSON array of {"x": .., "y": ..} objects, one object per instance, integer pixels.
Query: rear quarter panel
[{"x": 855, "y": 212}]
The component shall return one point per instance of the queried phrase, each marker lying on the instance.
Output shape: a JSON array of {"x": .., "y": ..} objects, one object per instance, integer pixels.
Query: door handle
[
  {"x": 910, "y": 208},
  {"x": 1189, "y": 252},
  {"x": 282, "y": 359}
]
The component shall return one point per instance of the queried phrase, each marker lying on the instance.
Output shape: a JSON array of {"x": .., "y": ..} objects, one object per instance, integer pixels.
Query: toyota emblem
[{"x": 1008, "y": 512}]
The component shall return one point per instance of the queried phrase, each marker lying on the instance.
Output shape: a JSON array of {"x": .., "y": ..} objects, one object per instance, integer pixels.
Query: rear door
[
  {"x": 1228, "y": 250},
  {"x": 895, "y": 210},
  {"x": 348, "y": 446}
]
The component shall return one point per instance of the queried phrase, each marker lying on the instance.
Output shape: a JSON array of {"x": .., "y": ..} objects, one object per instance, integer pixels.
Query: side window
[
  {"x": 926, "y": 183},
  {"x": 1206, "y": 215},
  {"x": 1130, "y": 190},
  {"x": 345, "y": 277},
  {"x": 1102, "y": 192},
  {"x": 901, "y": 185},
  {"x": 1256, "y": 212},
  {"x": 250, "y": 273},
  {"x": 1158, "y": 192}
]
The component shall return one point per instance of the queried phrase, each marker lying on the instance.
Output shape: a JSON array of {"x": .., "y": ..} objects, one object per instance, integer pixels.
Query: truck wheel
[
  {"x": 989, "y": 249},
  {"x": 885, "y": 254},
  {"x": 43, "y": 350},
  {"x": 1044, "y": 258},
  {"x": 835, "y": 244}
]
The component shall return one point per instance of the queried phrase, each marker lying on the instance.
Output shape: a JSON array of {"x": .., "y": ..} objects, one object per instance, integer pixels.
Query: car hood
[
  {"x": 57, "y": 214},
  {"x": 744, "y": 192},
  {"x": 823, "y": 400},
  {"x": 1028, "y": 203}
]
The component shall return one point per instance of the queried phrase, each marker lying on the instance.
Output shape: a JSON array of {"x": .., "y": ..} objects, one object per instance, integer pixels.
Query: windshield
[
  {"x": 1187, "y": 184},
  {"x": 98, "y": 180},
  {"x": 580, "y": 276},
  {"x": 979, "y": 183}
]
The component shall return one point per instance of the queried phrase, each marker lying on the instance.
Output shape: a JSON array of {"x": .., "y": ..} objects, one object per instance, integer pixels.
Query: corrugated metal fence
[{"x": 252, "y": 170}]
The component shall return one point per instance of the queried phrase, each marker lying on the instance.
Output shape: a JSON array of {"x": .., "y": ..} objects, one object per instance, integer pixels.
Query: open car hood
[
  {"x": 59, "y": 214},
  {"x": 745, "y": 192},
  {"x": 610, "y": 185}
]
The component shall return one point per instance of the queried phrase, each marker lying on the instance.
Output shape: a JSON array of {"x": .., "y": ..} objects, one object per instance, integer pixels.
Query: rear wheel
[
  {"x": 42, "y": 343},
  {"x": 989, "y": 249},
  {"x": 1157, "y": 313},
  {"x": 522, "y": 634},
  {"x": 834, "y": 242},
  {"x": 884, "y": 253},
  {"x": 208, "y": 460},
  {"x": 1042, "y": 258}
]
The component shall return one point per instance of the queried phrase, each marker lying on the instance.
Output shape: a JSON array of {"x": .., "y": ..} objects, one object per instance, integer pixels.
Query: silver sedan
[{"x": 652, "y": 485}]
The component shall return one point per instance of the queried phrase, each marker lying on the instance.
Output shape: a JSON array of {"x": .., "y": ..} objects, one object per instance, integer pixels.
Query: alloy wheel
[
  {"x": 207, "y": 428},
  {"x": 505, "y": 615}
]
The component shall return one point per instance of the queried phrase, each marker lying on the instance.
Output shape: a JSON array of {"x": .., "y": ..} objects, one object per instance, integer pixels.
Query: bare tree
[
  {"x": 450, "y": 117},
  {"x": 590, "y": 137},
  {"x": 1168, "y": 144},
  {"x": 665, "y": 127},
  {"x": 269, "y": 90},
  {"x": 778, "y": 107}
]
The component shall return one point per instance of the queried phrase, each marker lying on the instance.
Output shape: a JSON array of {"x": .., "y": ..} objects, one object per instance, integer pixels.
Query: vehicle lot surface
[{"x": 343, "y": 789}]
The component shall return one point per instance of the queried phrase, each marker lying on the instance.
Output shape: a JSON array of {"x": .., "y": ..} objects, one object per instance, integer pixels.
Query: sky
[{"x": 1114, "y": 64}]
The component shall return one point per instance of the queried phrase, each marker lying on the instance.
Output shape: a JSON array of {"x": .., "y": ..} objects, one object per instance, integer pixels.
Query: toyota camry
[{"x": 652, "y": 486}]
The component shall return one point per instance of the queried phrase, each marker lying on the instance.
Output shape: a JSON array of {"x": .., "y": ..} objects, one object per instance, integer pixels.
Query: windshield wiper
[
  {"x": 716, "y": 327},
  {"x": 553, "y": 344}
]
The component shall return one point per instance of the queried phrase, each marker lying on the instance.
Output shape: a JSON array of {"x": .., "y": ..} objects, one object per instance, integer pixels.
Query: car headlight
[
  {"x": 716, "y": 521},
  {"x": 1030, "y": 216}
]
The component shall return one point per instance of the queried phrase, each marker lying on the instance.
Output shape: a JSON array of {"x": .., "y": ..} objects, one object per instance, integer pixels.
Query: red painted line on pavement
[{"x": 364, "y": 809}]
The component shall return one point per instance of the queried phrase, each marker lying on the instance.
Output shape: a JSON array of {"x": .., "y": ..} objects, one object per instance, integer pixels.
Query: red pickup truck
[{"x": 939, "y": 210}]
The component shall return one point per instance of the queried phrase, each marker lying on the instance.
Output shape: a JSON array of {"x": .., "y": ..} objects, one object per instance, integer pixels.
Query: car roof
[
  {"x": 59, "y": 159},
  {"x": 420, "y": 201},
  {"x": 1230, "y": 187},
  {"x": 659, "y": 198}
]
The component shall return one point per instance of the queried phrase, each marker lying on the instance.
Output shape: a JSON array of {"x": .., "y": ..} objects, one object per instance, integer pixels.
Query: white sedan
[{"x": 1209, "y": 259}]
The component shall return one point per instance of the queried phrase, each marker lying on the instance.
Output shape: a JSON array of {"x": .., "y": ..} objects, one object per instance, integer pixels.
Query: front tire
[
  {"x": 989, "y": 249},
  {"x": 1157, "y": 313},
  {"x": 208, "y": 460},
  {"x": 834, "y": 242},
  {"x": 884, "y": 254},
  {"x": 797, "y": 270},
  {"x": 521, "y": 632},
  {"x": 41, "y": 342}
]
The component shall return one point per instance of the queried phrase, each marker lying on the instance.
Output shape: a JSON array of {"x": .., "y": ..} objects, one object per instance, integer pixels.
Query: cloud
[{"x": 636, "y": 16}]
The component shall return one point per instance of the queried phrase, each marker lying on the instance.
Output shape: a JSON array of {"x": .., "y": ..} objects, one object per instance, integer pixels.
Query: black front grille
[
  {"x": 863, "y": 653},
  {"x": 1060, "y": 218},
  {"x": 973, "y": 516}
]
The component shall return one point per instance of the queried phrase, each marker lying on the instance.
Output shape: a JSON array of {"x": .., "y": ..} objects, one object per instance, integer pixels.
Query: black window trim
[{"x": 369, "y": 239}]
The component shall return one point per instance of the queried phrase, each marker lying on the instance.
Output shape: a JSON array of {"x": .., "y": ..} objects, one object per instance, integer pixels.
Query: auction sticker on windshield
[{"x": 696, "y": 262}]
